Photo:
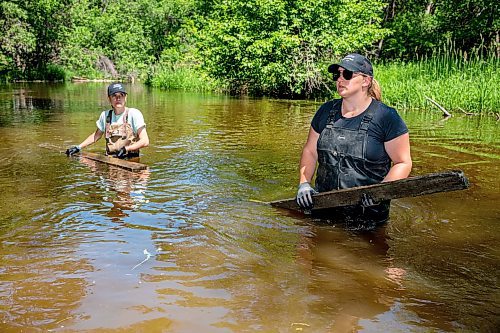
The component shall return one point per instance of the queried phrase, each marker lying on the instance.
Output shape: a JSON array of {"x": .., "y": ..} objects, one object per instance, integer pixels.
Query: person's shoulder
[
  {"x": 389, "y": 119},
  {"x": 385, "y": 111},
  {"x": 383, "y": 107},
  {"x": 320, "y": 118},
  {"x": 328, "y": 105},
  {"x": 133, "y": 110},
  {"x": 333, "y": 102}
]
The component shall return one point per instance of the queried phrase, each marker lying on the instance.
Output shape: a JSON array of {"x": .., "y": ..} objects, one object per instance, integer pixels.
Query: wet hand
[
  {"x": 304, "y": 196},
  {"x": 122, "y": 153},
  {"x": 72, "y": 150}
]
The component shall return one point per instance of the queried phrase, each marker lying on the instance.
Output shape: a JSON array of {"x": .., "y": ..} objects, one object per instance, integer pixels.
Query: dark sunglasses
[{"x": 346, "y": 74}]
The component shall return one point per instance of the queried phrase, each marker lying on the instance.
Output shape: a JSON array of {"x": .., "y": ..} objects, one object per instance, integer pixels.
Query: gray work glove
[
  {"x": 73, "y": 150},
  {"x": 304, "y": 196},
  {"x": 367, "y": 201}
]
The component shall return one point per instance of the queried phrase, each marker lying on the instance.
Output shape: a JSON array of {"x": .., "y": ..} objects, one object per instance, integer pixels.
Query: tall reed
[{"x": 456, "y": 80}]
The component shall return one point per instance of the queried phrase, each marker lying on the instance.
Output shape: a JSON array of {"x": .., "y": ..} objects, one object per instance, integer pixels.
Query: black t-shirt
[{"x": 385, "y": 125}]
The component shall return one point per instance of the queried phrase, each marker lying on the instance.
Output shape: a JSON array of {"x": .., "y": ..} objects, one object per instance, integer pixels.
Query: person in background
[
  {"x": 124, "y": 127},
  {"x": 355, "y": 140}
]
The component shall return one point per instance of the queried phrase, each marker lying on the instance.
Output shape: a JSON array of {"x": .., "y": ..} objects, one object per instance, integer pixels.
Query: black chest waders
[{"x": 342, "y": 163}]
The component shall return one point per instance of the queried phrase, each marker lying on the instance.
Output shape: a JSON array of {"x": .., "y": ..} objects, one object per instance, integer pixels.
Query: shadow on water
[{"x": 184, "y": 247}]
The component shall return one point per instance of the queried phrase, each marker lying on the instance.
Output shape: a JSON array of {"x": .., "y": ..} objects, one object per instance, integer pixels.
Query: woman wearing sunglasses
[{"x": 355, "y": 140}]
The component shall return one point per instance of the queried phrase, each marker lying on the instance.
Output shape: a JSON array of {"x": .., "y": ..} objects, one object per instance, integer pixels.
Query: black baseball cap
[
  {"x": 113, "y": 88},
  {"x": 355, "y": 63}
]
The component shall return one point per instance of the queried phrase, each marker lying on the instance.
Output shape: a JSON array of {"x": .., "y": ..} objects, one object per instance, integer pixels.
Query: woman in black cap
[
  {"x": 356, "y": 140},
  {"x": 124, "y": 127}
]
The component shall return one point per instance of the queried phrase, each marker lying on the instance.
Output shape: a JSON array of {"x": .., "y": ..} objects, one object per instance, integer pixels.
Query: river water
[{"x": 187, "y": 246}]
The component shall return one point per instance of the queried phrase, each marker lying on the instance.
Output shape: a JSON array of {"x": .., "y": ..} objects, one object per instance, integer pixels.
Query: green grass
[
  {"x": 458, "y": 81},
  {"x": 181, "y": 78}
]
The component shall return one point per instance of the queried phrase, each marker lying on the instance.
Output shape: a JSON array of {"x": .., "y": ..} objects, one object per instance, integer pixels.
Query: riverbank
[
  {"x": 457, "y": 82},
  {"x": 451, "y": 82}
]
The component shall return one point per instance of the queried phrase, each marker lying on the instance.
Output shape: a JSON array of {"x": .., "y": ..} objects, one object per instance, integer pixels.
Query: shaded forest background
[{"x": 259, "y": 47}]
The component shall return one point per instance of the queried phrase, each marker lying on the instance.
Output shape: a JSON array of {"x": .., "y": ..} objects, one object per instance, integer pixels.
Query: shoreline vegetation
[
  {"x": 440, "y": 54},
  {"x": 457, "y": 82},
  {"x": 451, "y": 82}
]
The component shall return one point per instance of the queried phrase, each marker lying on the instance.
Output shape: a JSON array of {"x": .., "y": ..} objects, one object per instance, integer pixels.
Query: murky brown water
[{"x": 184, "y": 247}]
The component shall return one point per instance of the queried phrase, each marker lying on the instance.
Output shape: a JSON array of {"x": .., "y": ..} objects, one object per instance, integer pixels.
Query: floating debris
[{"x": 148, "y": 255}]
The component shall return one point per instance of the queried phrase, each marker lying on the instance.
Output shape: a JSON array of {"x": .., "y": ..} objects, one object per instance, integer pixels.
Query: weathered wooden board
[
  {"x": 408, "y": 187},
  {"x": 124, "y": 164}
]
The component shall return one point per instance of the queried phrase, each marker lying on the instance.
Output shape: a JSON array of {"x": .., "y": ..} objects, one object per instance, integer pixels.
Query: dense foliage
[
  {"x": 420, "y": 26},
  {"x": 281, "y": 47},
  {"x": 261, "y": 47}
]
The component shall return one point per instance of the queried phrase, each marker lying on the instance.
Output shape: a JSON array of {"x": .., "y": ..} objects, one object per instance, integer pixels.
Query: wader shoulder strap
[
  {"x": 124, "y": 125},
  {"x": 108, "y": 122},
  {"x": 333, "y": 111},
  {"x": 109, "y": 116},
  {"x": 368, "y": 116}
]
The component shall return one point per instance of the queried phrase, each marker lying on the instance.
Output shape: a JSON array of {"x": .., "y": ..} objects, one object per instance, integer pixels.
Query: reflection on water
[
  {"x": 25, "y": 106},
  {"x": 339, "y": 263},
  {"x": 185, "y": 246},
  {"x": 126, "y": 189}
]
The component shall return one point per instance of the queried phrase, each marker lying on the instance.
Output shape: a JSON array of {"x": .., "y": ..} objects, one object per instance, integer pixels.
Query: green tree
[
  {"x": 125, "y": 38},
  {"x": 469, "y": 23},
  {"x": 418, "y": 27},
  {"x": 261, "y": 47},
  {"x": 49, "y": 22},
  {"x": 80, "y": 53},
  {"x": 17, "y": 40},
  {"x": 282, "y": 47}
]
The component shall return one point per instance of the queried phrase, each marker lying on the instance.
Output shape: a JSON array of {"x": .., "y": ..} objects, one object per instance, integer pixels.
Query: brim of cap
[
  {"x": 118, "y": 91},
  {"x": 335, "y": 67}
]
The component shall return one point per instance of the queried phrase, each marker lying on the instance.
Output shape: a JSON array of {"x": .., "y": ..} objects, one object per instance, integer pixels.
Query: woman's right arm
[{"x": 309, "y": 157}]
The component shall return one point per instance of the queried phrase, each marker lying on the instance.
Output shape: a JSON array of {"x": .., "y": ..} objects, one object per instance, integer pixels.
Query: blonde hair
[{"x": 374, "y": 90}]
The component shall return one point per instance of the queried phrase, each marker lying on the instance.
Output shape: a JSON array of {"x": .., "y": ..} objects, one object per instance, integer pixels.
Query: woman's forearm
[
  {"x": 309, "y": 157},
  {"x": 91, "y": 139},
  {"x": 307, "y": 167}
]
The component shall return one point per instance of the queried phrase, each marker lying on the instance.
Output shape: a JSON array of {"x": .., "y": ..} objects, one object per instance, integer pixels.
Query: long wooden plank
[
  {"x": 409, "y": 187},
  {"x": 124, "y": 164}
]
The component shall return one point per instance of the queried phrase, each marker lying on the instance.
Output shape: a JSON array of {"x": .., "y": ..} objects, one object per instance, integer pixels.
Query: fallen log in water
[{"x": 408, "y": 187}]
